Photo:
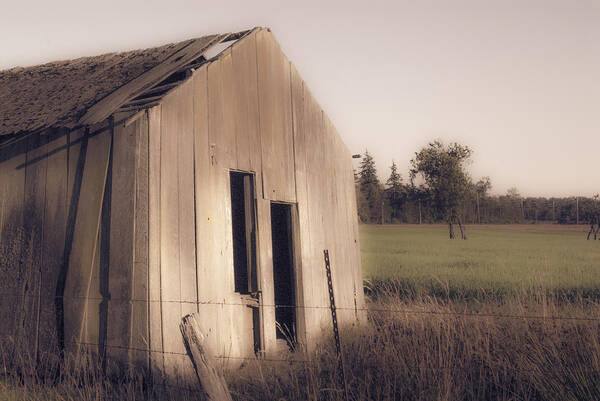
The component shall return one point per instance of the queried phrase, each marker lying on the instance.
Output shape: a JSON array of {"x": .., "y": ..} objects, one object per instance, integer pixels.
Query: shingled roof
[{"x": 59, "y": 94}]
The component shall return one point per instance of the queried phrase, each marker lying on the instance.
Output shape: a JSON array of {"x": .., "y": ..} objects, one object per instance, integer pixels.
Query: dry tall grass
[
  {"x": 417, "y": 349},
  {"x": 435, "y": 350}
]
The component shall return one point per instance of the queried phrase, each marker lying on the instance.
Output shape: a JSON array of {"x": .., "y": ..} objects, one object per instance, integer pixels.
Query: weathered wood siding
[
  {"x": 131, "y": 220},
  {"x": 74, "y": 209},
  {"x": 249, "y": 110}
]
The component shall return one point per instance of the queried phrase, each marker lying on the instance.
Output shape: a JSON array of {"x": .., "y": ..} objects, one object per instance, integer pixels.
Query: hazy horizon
[{"x": 515, "y": 81}]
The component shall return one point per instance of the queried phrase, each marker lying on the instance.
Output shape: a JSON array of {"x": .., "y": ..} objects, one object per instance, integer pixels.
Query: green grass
[
  {"x": 510, "y": 342},
  {"x": 492, "y": 262}
]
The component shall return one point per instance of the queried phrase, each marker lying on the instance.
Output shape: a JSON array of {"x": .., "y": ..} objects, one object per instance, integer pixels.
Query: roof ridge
[
  {"x": 67, "y": 93},
  {"x": 176, "y": 45}
]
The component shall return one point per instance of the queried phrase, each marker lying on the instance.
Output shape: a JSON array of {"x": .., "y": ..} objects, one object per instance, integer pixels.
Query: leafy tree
[
  {"x": 516, "y": 204},
  {"x": 370, "y": 190},
  {"x": 395, "y": 192},
  {"x": 419, "y": 195},
  {"x": 482, "y": 188},
  {"x": 442, "y": 169}
]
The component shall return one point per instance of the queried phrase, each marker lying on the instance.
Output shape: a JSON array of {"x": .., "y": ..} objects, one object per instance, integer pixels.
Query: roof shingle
[{"x": 58, "y": 93}]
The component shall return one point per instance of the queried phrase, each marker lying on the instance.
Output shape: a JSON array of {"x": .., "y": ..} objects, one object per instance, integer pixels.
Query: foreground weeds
[{"x": 428, "y": 348}]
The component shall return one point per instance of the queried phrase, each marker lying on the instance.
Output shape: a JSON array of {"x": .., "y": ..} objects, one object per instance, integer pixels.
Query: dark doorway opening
[
  {"x": 283, "y": 272},
  {"x": 243, "y": 220},
  {"x": 244, "y": 232}
]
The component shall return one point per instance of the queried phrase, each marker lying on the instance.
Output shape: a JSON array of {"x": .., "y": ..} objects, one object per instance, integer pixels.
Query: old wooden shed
[{"x": 142, "y": 186}]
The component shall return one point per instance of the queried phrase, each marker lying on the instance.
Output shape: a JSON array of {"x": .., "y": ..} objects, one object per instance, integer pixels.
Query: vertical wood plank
[
  {"x": 12, "y": 179},
  {"x": 31, "y": 255},
  {"x": 187, "y": 231},
  {"x": 245, "y": 106},
  {"x": 274, "y": 94},
  {"x": 154, "y": 245},
  {"x": 208, "y": 291},
  {"x": 85, "y": 234},
  {"x": 122, "y": 213},
  {"x": 302, "y": 224},
  {"x": 91, "y": 321},
  {"x": 220, "y": 104},
  {"x": 169, "y": 232},
  {"x": 77, "y": 149},
  {"x": 265, "y": 260},
  {"x": 316, "y": 185},
  {"x": 53, "y": 238},
  {"x": 140, "y": 336},
  {"x": 178, "y": 281},
  {"x": 221, "y": 137},
  {"x": 344, "y": 278}
]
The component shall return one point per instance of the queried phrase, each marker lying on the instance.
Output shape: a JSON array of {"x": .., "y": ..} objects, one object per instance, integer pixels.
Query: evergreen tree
[
  {"x": 370, "y": 190},
  {"x": 395, "y": 192},
  {"x": 361, "y": 204}
]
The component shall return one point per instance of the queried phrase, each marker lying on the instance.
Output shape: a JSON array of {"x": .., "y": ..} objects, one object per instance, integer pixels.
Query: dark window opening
[
  {"x": 244, "y": 232},
  {"x": 283, "y": 272}
]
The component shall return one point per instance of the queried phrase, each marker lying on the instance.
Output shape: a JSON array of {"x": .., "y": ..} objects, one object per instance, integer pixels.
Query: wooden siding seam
[
  {"x": 132, "y": 294},
  {"x": 194, "y": 192},
  {"x": 179, "y": 236},
  {"x": 262, "y": 175},
  {"x": 292, "y": 131},
  {"x": 162, "y": 320},
  {"x": 37, "y": 323},
  {"x": 148, "y": 276}
]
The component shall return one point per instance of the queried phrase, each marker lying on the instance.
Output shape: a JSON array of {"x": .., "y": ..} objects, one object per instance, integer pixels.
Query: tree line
[{"x": 439, "y": 189}]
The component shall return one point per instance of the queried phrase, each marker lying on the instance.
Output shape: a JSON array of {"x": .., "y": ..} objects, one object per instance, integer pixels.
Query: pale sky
[{"x": 518, "y": 81}]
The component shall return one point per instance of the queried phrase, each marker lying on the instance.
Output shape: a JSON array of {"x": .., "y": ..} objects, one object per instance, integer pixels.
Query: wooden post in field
[
  {"x": 577, "y": 209},
  {"x": 211, "y": 380}
]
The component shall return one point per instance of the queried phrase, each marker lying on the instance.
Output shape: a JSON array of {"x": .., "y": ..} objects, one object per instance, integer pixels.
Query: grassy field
[
  {"x": 513, "y": 313},
  {"x": 493, "y": 262}
]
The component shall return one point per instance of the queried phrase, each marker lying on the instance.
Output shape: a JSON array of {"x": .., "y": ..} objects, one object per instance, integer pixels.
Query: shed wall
[
  {"x": 121, "y": 230},
  {"x": 249, "y": 111}
]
